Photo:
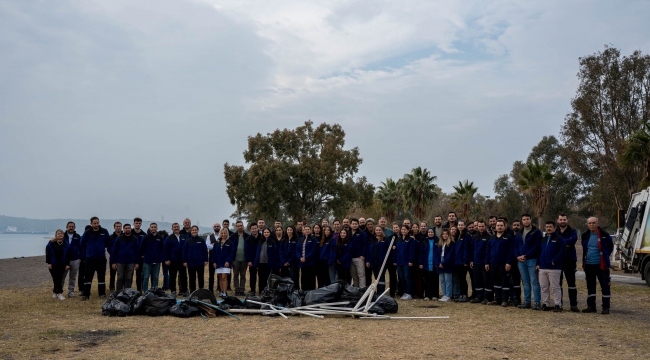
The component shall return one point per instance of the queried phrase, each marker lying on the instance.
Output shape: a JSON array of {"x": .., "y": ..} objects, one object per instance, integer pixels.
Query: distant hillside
[{"x": 50, "y": 225}]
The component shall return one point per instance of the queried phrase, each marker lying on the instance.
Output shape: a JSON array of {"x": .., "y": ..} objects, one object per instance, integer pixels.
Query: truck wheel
[{"x": 646, "y": 272}]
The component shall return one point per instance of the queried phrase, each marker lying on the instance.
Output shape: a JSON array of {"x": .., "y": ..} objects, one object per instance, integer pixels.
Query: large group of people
[{"x": 421, "y": 261}]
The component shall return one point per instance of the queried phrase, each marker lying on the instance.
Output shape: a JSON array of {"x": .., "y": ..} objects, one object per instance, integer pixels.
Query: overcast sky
[{"x": 131, "y": 108}]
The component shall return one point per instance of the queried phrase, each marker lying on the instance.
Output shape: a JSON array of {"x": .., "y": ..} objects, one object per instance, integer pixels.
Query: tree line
[{"x": 601, "y": 157}]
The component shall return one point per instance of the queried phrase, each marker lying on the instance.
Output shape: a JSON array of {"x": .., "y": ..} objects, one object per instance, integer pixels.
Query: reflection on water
[{"x": 14, "y": 245}]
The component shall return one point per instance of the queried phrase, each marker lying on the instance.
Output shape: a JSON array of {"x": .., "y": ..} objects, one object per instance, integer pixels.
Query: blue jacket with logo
[
  {"x": 195, "y": 251},
  {"x": 448, "y": 262},
  {"x": 74, "y": 240},
  {"x": 125, "y": 250},
  {"x": 344, "y": 253},
  {"x": 311, "y": 251},
  {"x": 151, "y": 248},
  {"x": 570, "y": 237},
  {"x": 222, "y": 253},
  {"x": 461, "y": 249},
  {"x": 380, "y": 248},
  {"x": 326, "y": 253},
  {"x": 553, "y": 249},
  {"x": 478, "y": 253},
  {"x": 272, "y": 253},
  {"x": 405, "y": 252},
  {"x": 499, "y": 249},
  {"x": 529, "y": 246},
  {"x": 95, "y": 243},
  {"x": 173, "y": 249},
  {"x": 288, "y": 252},
  {"x": 359, "y": 241}
]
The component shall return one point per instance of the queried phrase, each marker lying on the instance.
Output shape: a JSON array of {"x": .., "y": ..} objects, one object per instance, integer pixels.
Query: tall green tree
[
  {"x": 535, "y": 179},
  {"x": 419, "y": 190},
  {"x": 611, "y": 103},
  {"x": 390, "y": 198},
  {"x": 463, "y": 198},
  {"x": 299, "y": 172},
  {"x": 636, "y": 153}
]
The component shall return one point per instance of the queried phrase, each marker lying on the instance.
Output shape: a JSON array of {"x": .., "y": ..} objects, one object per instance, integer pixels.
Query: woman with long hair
[
  {"x": 317, "y": 231},
  {"x": 461, "y": 262},
  {"x": 445, "y": 264},
  {"x": 344, "y": 256},
  {"x": 307, "y": 253},
  {"x": 266, "y": 258},
  {"x": 404, "y": 258},
  {"x": 288, "y": 261},
  {"x": 416, "y": 272},
  {"x": 195, "y": 258},
  {"x": 324, "y": 257},
  {"x": 396, "y": 288},
  {"x": 222, "y": 256},
  {"x": 57, "y": 259},
  {"x": 377, "y": 249},
  {"x": 331, "y": 269}
]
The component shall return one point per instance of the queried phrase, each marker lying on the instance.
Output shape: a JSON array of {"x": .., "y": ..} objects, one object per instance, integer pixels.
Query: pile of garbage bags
[
  {"x": 279, "y": 291},
  {"x": 154, "y": 302}
]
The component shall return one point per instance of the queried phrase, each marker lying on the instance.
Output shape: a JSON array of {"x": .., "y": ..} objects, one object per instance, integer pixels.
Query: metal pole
[{"x": 373, "y": 286}]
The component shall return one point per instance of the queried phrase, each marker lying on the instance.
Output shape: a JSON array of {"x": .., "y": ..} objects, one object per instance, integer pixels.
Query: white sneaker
[
  {"x": 53, "y": 296},
  {"x": 445, "y": 299},
  {"x": 426, "y": 299},
  {"x": 60, "y": 296},
  {"x": 434, "y": 298},
  {"x": 407, "y": 297},
  {"x": 403, "y": 297}
]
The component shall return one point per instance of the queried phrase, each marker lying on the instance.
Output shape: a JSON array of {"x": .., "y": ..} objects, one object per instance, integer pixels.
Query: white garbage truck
[{"x": 632, "y": 242}]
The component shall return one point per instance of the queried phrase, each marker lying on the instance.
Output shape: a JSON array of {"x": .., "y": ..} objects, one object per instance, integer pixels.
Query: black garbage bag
[
  {"x": 250, "y": 305},
  {"x": 375, "y": 309},
  {"x": 351, "y": 293},
  {"x": 107, "y": 308},
  {"x": 138, "y": 306},
  {"x": 233, "y": 302},
  {"x": 127, "y": 296},
  {"x": 327, "y": 294},
  {"x": 158, "y": 303},
  {"x": 297, "y": 298},
  {"x": 388, "y": 304},
  {"x": 185, "y": 309},
  {"x": 115, "y": 307}
]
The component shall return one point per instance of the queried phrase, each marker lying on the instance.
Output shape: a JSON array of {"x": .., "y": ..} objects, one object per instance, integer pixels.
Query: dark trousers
[
  {"x": 211, "y": 277},
  {"x": 460, "y": 276},
  {"x": 431, "y": 284},
  {"x": 264, "y": 273},
  {"x": 416, "y": 280},
  {"x": 501, "y": 281},
  {"x": 138, "y": 275},
  {"x": 593, "y": 272},
  {"x": 111, "y": 279},
  {"x": 177, "y": 270},
  {"x": 195, "y": 273},
  {"x": 57, "y": 277},
  {"x": 569, "y": 271},
  {"x": 515, "y": 289},
  {"x": 323, "y": 274},
  {"x": 81, "y": 274},
  {"x": 285, "y": 271},
  {"x": 392, "y": 279},
  {"x": 165, "y": 271},
  {"x": 344, "y": 274},
  {"x": 124, "y": 276},
  {"x": 95, "y": 266},
  {"x": 479, "y": 284},
  {"x": 307, "y": 278},
  {"x": 252, "y": 271},
  {"x": 368, "y": 275}
]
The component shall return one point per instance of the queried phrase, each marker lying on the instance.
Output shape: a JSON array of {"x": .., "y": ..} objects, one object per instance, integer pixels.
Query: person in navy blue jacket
[
  {"x": 58, "y": 260},
  {"x": 570, "y": 237},
  {"x": 288, "y": 260},
  {"x": 477, "y": 261},
  {"x": 124, "y": 258},
  {"x": 94, "y": 243},
  {"x": 250, "y": 252},
  {"x": 498, "y": 263},
  {"x": 359, "y": 242},
  {"x": 324, "y": 257},
  {"x": 461, "y": 262},
  {"x": 527, "y": 253},
  {"x": 307, "y": 253},
  {"x": 151, "y": 249},
  {"x": 428, "y": 266},
  {"x": 173, "y": 257},
  {"x": 552, "y": 251},
  {"x": 139, "y": 234},
  {"x": 344, "y": 256},
  {"x": 376, "y": 253},
  {"x": 76, "y": 270},
  {"x": 117, "y": 231},
  {"x": 403, "y": 258},
  {"x": 331, "y": 269},
  {"x": 597, "y": 246},
  {"x": 221, "y": 258},
  {"x": 195, "y": 258},
  {"x": 444, "y": 261},
  {"x": 267, "y": 260}
]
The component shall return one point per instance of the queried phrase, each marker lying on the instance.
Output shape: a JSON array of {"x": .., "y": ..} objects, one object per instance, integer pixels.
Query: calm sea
[{"x": 17, "y": 245}]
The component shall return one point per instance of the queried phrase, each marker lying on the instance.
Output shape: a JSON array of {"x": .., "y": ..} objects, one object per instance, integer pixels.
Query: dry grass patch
[{"x": 36, "y": 326}]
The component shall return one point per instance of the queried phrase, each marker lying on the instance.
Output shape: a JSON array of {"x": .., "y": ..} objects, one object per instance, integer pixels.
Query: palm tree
[
  {"x": 463, "y": 198},
  {"x": 637, "y": 153},
  {"x": 535, "y": 179},
  {"x": 419, "y": 191},
  {"x": 390, "y": 198}
]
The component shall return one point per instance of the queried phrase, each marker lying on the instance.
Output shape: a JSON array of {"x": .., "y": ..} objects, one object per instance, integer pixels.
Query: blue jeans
[
  {"x": 152, "y": 270},
  {"x": 332, "y": 273},
  {"x": 446, "y": 280},
  {"x": 381, "y": 284},
  {"x": 165, "y": 269},
  {"x": 404, "y": 273},
  {"x": 529, "y": 277}
]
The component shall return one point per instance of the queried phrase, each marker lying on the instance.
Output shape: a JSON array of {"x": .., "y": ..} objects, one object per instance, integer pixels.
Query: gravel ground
[{"x": 24, "y": 272}]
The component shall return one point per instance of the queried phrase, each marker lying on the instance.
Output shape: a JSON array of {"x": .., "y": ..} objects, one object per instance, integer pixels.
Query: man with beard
[{"x": 570, "y": 237}]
